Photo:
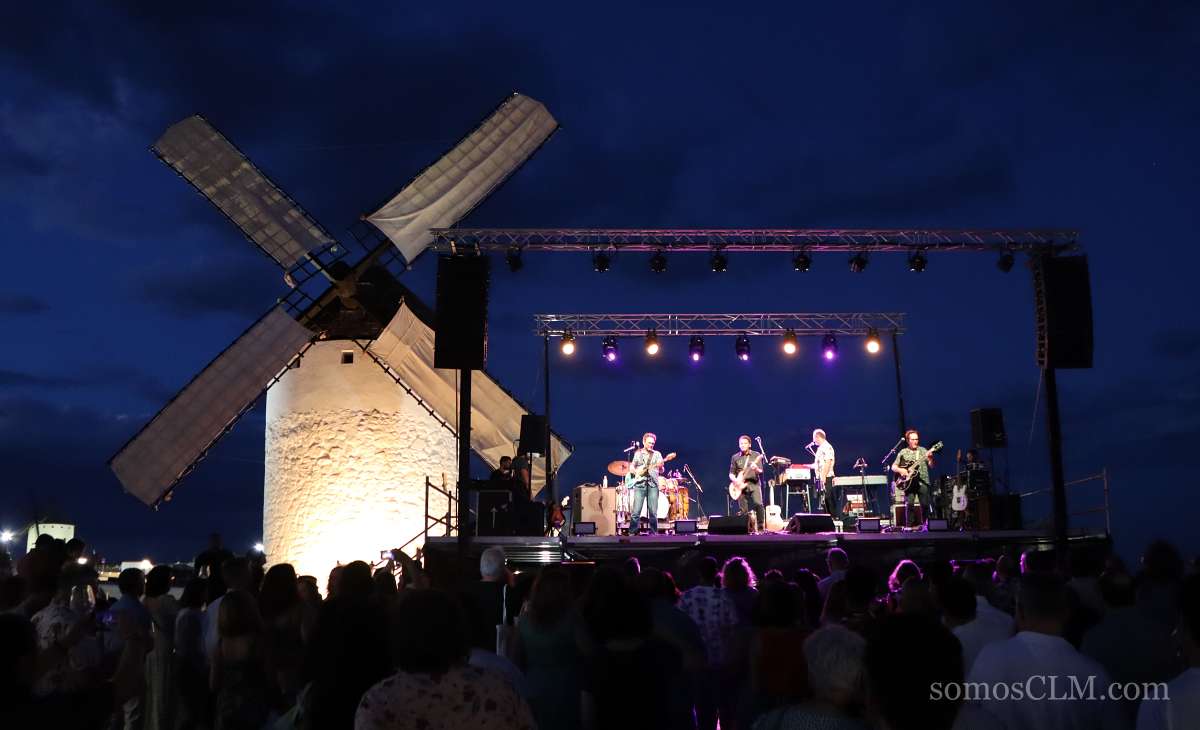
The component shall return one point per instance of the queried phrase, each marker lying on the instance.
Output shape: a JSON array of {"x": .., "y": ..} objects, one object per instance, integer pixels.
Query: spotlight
[
  {"x": 1005, "y": 262},
  {"x": 719, "y": 262},
  {"x": 601, "y": 261},
  {"x": 873, "y": 340},
  {"x": 658, "y": 262},
  {"x": 609, "y": 349},
  {"x": 742, "y": 347},
  {"x": 513, "y": 259},
  {"x": 568, "y": 344},
  {"x": 790, "y": 344},
  {"x": 259, "y": 547},
  {"x": 917, "y": 261},
  {"x": 858, "y": 262},
  {"x": 829, "y": 347},
  {"x": 696, "y": 349},
  {"x": 801, "y": 261},
  {"x": 6, "y": 536},
  {"x": 651, "y": 343}
]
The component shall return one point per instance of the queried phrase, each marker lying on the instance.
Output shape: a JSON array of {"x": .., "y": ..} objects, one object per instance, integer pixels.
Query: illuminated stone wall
[{"x": 347, "y": 453}]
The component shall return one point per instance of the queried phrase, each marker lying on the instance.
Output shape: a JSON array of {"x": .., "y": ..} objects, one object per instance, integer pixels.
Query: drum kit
[{"x": 674, "y": 496}]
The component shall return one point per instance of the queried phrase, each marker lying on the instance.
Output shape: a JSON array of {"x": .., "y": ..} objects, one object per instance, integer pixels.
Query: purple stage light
[
  {"x": 609, "y": 349},
  {"x": 829, "y": 347}
]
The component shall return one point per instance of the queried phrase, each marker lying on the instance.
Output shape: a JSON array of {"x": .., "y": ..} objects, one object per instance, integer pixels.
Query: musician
[
  {"x": 750, "y": 462},
  {"x": 914, "y": 461},
  {"x": 644, "y": 467},
  {"x": 823, "y": 457}
]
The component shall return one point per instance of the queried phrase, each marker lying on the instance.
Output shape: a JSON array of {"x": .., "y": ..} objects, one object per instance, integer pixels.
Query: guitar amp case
[
  {"x": 805, "y": 523},
  {"x": 598, "y": 505}
]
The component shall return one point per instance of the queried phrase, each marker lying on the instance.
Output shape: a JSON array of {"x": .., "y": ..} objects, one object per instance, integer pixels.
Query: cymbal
[{"x": 618, "y": 468}]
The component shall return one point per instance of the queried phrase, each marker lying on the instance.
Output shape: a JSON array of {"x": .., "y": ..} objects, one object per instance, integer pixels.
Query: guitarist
[
  {"x": 745, "y": 467},
  {"x": 912, "y": 463},
  {"x": 835, "y": 503},
  {"x": 644, "y": 467}
]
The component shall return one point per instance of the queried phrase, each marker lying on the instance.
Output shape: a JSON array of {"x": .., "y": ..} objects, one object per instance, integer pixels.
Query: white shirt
[
  {"x": 827, "y": 582},
  {"x": 1180, "y": 711},
  {"x": 823, "y": 456},
  {"x": 978, "y": 633},
  {"x": 1030, "y": 659},
  {"x": 994, "y": 616}
]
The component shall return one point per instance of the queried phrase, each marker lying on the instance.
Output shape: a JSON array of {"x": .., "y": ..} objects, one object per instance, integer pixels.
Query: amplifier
[
  {"x": 797, "y": 473},
  {"x": 870, "y": 480},
  {"x": 597, "y": 505}
]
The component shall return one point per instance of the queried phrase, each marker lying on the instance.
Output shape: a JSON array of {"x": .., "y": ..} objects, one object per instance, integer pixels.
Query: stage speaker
[
  {"x": 900, "y": 515},
  {"x": 1063, "y": 307},
  {"x": 495, "y": 517},
  {"x": 460, "y": 320},
  {"x": 732, "y": 525},
  {"x": 533, "y": 435},
  {"x": 1004, "y": 511},
  {"x": 810, "y": 523},
  {"x": 987, "y": 428},
  {"x": 869, "y": 524},
  {"x": 597, "y": 505}
]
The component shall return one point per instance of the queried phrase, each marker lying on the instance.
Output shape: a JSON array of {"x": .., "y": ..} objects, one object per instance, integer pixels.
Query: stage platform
[{"x": 450, "y": 562}]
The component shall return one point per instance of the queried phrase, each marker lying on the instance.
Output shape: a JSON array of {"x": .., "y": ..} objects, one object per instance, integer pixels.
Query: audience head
[
  {"x": 632, "y": 566},
  {"x": 860, "y": 588},
  {"x": 385, "y": 584},
  {"x": 444, "y": 639},
  {"x": 810, "y": 594},
  {"x": 834, "y": 655},
  {"x": 236, "y": 574},
  {"x": 837, "y": 559},
  {"x": 193, "y": 594},
  {"x": 957, "y": 598},
  {"x": 551, "y": 599},
  {"x": 158, "y": 581},
  {"x": 776, "y": 606},
  {"x": 335, "y": 580},
  {"x": 915, "y": 597},
  {"x": 1117, "y": 589},
  {"x": 736, "y": 575},
  {"x": 904, "y": 570},
  {"x": 356, "y": 585},
  {"x": 905, "y": 655},
  {"x": 1004, "y": 569},
  {"x": 708, "y": 568},
  {"x": 75, "y": 548},
  {"x": 44, "y": 541},
  {"x": 774, "y": 575},
  {"x": 1162, "y": 563},
  {"x": 238, "y": 616},
  {"x": 132, "y": 582},
  {"x": 1041, "y": 603},
  {"x": 279, "y": 592},
  {"x": 1038, "y": 561},
  {"x": 307, "y": 587},
  {"x": 979, "y": 574},
  {"x": 505, "y": 462},
  {"x": 493, "y": 565}
]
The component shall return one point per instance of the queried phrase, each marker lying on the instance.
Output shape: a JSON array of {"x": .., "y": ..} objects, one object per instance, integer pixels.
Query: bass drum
[{"x": 662, "y": 511}]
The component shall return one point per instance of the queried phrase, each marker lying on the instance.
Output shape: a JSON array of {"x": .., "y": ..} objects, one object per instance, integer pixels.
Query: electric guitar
[
  {"x": 902, "y": 482},
  {"x": 773, "y": 512},
  {"x": 637, "y": 475},
  {"x": 958, "y": 499},
  {"x": 739, "y": 484}
]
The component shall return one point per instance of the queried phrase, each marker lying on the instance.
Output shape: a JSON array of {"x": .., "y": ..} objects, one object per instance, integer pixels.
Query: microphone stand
[
  {"x": 892, "y": 482},
  {"x": 770, "y": 482},
  {"x": 699, "y": 502}
]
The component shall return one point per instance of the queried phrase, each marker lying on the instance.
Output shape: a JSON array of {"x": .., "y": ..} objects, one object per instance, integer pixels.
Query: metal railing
[{"x": 1102, "y": 478}]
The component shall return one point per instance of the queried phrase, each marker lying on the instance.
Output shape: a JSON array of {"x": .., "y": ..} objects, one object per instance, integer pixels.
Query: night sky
[{"x": 121, "y": 283}]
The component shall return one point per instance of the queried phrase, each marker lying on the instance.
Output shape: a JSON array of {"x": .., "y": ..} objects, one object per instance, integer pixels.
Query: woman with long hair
[{"x": 548, "y": 653}]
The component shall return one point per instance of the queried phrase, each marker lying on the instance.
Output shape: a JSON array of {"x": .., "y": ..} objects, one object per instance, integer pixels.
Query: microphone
[{"x": 631, "y": 448}]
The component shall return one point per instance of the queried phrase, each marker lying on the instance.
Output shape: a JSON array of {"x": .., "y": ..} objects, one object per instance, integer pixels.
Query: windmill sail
[
  {"x": 449, "y": 188},
  {"x": 165, "y": 450},
  {"x": 220, "y": 172}
]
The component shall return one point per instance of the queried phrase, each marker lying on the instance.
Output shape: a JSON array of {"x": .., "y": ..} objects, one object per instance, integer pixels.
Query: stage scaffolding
[{"x": 716, "y": 325}]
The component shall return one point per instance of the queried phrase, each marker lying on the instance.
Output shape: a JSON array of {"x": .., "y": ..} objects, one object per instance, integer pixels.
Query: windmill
[{"x": 357, "y": 416}]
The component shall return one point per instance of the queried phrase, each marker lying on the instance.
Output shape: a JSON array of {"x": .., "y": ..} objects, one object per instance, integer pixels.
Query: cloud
[
  {"x": 245, "y": 285},
  {"x": 114, "y": 378},
  {"x": 21, "y": 305}
]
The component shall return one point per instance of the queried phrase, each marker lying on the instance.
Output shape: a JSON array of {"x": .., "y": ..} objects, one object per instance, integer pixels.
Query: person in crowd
[
  {"x": 333, "y": 582},
  {"x": 858, "y": 592},
  {"x": 238, "y": 675},
  {"x": 716, "y": 615},
  {"x": 810, "y": 596},
  {"x": 484, "y": 599},
  {"x": 283, "y": 639},
  {"x": 980, "y": 575},
  {"x": 235, "y": 576},
  {"x": 837, "y": 561},
  {"x": 833, "y": 656},
  {"x": 1129, "y": 645},
  {"x": 670, "y": 623},
  {"x": 20, "y": 707},
  {"x": 1183, "y": 706},
  {"x": 209, "y": 564},
  {"x": 1034, "y": 560},
  {"x": 433, "y": 686},
  {"x": 904, "y": 570},
  {"x": 69, "y": 655},
  {"x": 1158, "y": 583},
  {"x": 739, "y": 583},
  {"x": 633, "y": 566},
  {"x": 916, "y": 597},
  {"x": 960, "y": 613},
  {"x": 776, "y": 678},
  {"x": 1004, "y": 592},
  {"x": 160, "y": 675},
  {"x": 386, "y": 590},
  {"x": 191, "y": 661},
  {"x": 547, "y": 651},
  {"x": 348, "y": 652},
  {"x": 310, "y": 601},
  {"x": 1039, "y": 650}
]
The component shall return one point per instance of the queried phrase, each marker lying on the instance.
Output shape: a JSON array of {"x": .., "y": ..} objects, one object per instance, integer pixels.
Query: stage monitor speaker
[
  {"x": 533, "y": 435},
  {"x": 869, "y": 524},
  {"x": 1063, "y": 307},
  {"x": 732, "y": 525},
  {"x": 597, "y": 505},
  {"x": 987, "y": 428},
  {"x": 460, "y": 319},
  {"x": 685, "y": 527},
  {"x": 582, "y": 529},
  {"x": 810, "y": 523}
]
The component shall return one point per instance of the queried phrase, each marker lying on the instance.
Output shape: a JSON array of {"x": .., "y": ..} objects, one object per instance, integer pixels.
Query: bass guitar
[
  {"x": 902, "y": 482},
  {"x": 739, "y": 484}
]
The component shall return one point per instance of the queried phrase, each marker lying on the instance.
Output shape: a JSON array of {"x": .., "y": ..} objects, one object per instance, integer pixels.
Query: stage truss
[
  {"x": 844, "y": 240},
  {"x": 717, "y": 325}
]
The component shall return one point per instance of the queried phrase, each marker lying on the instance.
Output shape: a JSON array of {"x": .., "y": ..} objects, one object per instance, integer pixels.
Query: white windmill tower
[{"x": 357, "y": 415}]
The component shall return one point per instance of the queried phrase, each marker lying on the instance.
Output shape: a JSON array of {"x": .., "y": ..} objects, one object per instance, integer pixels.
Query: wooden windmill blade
[
  {"x": 181, "y": 434},
  {"x": 264, "y": 213}
]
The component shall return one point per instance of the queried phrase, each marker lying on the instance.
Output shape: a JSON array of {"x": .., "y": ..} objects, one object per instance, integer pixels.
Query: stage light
[
  {"x": 829, "y": 347},
  {"x": 651, "y": 343},
  {"x": 696, "y": 349},
  {"x": 1005, "y": 262},
  {"x": 917, "y": 261},
  {"x": 259, "y": 547},
  {"x": 719, "y": 262},
  {"x": 873, "y": 344},
  {"x": 601, "y": 261},
  {"x": 513, "y": 259},
  {"x": 790, "y": 344},
  {"x": 568, "y": 344},
  {"x": 858, "y": 262},
  {"x": 742, "y": 347},
  {"x": 609, "y": 349},
  {"x": 658, "y": 262},
  {"x": 801, "y": 261},
  {"x": 6, "y": 536}
]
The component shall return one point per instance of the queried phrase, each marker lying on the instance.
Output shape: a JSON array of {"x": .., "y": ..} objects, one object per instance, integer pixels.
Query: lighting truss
[
  {"x": 717, "y": 325},
  {"x": 844, "y": 240}
]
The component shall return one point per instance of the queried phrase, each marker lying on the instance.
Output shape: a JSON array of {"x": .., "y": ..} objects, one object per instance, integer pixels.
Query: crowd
[{"x": 608, "y": 646}]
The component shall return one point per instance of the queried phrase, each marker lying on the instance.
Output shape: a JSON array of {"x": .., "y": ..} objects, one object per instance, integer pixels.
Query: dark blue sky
[{"x": 122, "y": 283}]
